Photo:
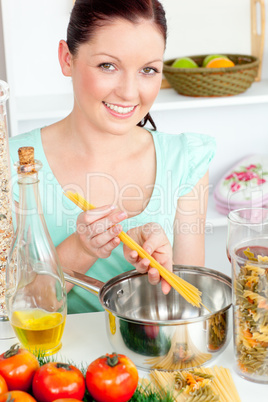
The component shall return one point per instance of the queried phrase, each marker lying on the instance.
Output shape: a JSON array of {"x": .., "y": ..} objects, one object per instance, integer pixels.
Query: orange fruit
[
  {"x": 210, "y": 57},
  {"x": 220, "y": 63}
]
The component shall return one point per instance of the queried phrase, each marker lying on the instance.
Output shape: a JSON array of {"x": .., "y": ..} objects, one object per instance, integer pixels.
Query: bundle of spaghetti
[
  {"x": 225, "y": 385},
  {"x": 202, "y": 384},
  {"x": 182, "y": 353},
  {"x": 184, "y": 288}
]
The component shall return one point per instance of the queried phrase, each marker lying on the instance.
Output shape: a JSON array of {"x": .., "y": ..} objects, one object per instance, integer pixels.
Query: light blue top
[{"x": 181, "y": 161}]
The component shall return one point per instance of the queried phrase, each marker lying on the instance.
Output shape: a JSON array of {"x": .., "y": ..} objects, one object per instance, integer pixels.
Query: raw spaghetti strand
[{"x": 185, "y": 289}]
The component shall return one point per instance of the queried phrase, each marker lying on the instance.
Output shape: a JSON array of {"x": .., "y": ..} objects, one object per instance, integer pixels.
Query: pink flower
[
  {"x": 251, "y": 167},
  {"x": 235, "y": 187},
  {"x": 261, "y": 181},
  {"x": 246, "y": 176},
  {"x": 230, "y": 176}
]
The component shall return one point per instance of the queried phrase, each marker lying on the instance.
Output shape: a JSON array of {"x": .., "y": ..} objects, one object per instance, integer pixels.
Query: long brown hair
[{"x": 87, "y": 15}]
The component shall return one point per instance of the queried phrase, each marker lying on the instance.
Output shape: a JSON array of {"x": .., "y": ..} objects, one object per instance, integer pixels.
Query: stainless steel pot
[{"x": 164, "y": 332}]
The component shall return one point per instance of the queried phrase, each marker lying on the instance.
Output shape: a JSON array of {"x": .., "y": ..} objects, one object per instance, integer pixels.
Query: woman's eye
[
  {"x": 149, "y": 71},
  {"x": 107, "y": 66}
]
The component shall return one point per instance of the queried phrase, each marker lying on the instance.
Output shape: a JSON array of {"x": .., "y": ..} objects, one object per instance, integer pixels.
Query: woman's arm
[{"x": 189, "y": 225}]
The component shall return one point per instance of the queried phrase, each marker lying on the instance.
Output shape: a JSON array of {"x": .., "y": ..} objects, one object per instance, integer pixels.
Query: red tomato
[
  {"x": 112, "y": 378},
  {"x": 67, "y": 400},
  {"x": 16, "y": 396},
  {"x": 58, "y": 380},
  {"x": 18, "y": 366},
  {"x": 3, "y": 385}
]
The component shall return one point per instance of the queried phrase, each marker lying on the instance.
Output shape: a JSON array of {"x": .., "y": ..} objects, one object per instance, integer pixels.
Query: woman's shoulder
[
  {"x": 185, "y": 139},
  {"x": 188, "y": 144}
]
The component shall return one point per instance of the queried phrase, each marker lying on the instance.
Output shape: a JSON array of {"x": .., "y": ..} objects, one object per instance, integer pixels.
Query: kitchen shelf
[
  {"x": 59, "y": 105},
  {"x": 169, "y": 99}
]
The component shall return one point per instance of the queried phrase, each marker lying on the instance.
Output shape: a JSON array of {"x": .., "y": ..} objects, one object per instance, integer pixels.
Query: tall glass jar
[
  {"x": 248, "y": 248},
  {"x": 6, "y": 227},
  {"x": 36, "y": 296}
]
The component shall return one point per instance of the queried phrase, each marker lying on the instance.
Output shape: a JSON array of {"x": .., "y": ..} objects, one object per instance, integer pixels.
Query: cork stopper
[
  {"x": 26, "y": 160},
  {"x": 26, "y": 155}
]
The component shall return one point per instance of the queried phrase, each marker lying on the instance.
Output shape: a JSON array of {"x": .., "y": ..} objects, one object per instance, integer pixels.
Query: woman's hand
[
  {"x": 154, "y": 240},
  {"x": 97, "y": 230}
]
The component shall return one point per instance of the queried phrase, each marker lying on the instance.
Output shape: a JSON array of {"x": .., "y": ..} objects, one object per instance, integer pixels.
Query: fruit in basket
[
  {"x": 220, "y": 62},
  {"x": 184, "y": 62},
  {"x": 113, "y": 377},
  {"x": 210, "y": 57}
]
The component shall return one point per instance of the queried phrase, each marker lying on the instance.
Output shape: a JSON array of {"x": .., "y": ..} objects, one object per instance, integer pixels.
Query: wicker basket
[{"x": 203, "y": 81}]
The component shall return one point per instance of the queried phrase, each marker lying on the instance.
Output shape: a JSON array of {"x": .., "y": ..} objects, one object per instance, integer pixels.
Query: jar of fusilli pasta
[{"x": 250, "y": 297}]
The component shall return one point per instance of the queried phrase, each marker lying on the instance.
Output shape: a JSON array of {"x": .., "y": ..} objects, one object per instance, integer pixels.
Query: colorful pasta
[
  {"x": 251, "y": 316},
  {"x": 217, "y": 332}
]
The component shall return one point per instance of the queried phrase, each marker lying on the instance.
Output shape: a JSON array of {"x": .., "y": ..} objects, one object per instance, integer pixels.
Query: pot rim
[{"x": 176, "y": 268}]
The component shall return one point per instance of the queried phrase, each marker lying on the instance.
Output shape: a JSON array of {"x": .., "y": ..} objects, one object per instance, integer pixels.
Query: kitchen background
[{"x": 39, "y": 95}]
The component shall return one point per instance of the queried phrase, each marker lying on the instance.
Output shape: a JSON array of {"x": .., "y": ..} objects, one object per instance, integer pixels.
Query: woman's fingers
[
  {"x": 153, "y": 239},
  {"x": 101, "y": 239},
  {"x": 105, "y": 250},
  {"x": 94, "y": 223},
  {"x": 98, "y": 230},
  {"x": 153, "y": 276},
  {"x": 165, "y": 286}
]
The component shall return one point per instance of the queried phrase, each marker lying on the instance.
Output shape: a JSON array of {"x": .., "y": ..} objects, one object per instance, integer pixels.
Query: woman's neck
[{"x": 87, "y": 139}]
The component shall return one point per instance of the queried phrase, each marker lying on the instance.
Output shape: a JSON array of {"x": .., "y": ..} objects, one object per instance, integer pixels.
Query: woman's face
[{"x": 117, "y": 75}]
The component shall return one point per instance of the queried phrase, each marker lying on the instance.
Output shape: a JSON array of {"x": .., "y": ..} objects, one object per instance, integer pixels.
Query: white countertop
[{"x": 84, "y": 340}]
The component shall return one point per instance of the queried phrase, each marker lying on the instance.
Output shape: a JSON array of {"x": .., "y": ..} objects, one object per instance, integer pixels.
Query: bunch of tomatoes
[{"x": 112, "y": 377}]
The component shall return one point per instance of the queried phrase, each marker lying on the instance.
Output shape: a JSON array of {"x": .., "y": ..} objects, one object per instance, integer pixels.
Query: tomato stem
[
  {"x": 112, "y": 360},
  {"x": 63, "y": 365},
  {"x": 10, "y": 399},
  {"x": 12, "y": 351}
]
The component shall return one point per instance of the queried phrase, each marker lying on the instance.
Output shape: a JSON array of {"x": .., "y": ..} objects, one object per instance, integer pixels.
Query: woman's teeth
[{"x": 119, "y": 109}]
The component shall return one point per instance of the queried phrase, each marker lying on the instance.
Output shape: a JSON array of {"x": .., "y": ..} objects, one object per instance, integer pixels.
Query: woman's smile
[{"x": 120, "y": 111}]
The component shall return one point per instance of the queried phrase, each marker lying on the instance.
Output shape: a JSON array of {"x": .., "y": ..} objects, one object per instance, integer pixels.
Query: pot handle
[{"x": 83, "y": 281}]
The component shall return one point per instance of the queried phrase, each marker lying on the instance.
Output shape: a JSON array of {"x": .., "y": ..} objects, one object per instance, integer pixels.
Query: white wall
[{"x": 32, "y": 30}]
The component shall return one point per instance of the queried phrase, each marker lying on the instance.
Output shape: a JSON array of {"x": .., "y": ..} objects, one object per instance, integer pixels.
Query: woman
[{"x": 150, "y": 184}]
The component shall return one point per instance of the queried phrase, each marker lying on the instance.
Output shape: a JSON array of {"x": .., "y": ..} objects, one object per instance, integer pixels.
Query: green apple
[
  {"x": 184, "y": 62},
  {"x": 210, "y": 57}
]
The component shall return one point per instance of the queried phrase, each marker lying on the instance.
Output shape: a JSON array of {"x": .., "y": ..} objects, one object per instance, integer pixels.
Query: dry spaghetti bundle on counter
[{"x": 202, "y": 384}]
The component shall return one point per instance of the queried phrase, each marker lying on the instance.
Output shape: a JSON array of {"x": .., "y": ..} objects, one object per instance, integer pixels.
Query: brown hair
[{"x": 87, "y": 15}]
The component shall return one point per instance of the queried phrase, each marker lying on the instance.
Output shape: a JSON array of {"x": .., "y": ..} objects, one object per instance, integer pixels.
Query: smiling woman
[
  {"x": 148, "y": 183},
  {"x": 114, "y": 85}
]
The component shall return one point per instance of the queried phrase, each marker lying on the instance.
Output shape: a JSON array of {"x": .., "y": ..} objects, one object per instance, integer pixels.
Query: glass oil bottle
[{"x": 36, "y": 294}]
